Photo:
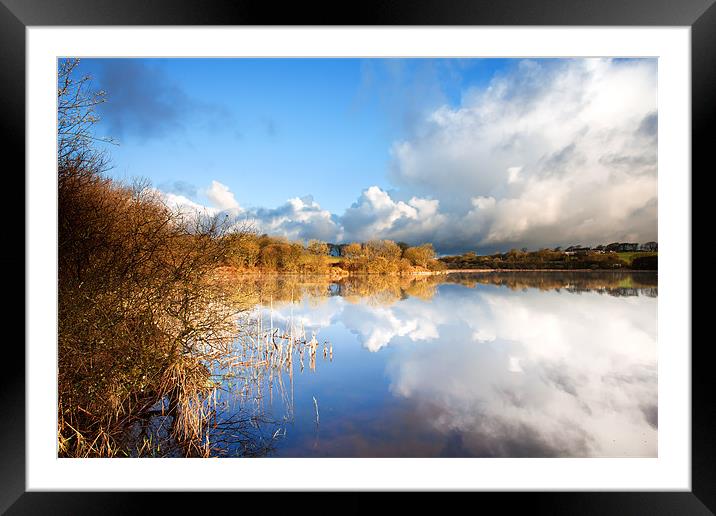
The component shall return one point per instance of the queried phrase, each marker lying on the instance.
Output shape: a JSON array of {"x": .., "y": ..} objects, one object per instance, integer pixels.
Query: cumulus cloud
[
  {"x": 298, "y": 218},
  {"x": 222, "y": 198},
  {"x": 185, "y": 206},
  {"x": 550, "y": 153},
  {"x": 376, "y": 214}
]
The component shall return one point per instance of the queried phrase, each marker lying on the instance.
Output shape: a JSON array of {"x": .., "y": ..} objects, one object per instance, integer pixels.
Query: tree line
[
  {"x": 550, "y": 259},
  {"x": 247, "y": 251}
]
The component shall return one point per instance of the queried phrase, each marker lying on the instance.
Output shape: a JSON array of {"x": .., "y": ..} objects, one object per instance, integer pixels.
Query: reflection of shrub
[{"x": 645, "y": 263}]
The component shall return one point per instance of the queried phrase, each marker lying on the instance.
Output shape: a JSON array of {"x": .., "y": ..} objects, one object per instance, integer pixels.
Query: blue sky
[
  {"x": 367, "y": 144},
  {"x": 275, "y": 128}
]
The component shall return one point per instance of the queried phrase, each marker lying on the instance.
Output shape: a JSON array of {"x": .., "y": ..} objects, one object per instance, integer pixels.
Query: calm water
[{"x": 468, "y": 365}]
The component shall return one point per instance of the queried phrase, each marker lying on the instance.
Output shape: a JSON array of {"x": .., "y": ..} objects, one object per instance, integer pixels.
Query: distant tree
[
  {"x": 420, "y": 255},
  {"x": 291, "y": 256},
  {"x": 514, "y": 255},
  {"x": 270, "y": 257},
  {"x": 352, "y": 251},
  {"x": 317, "y": 247},
  {"x": 382, "y": 249}
]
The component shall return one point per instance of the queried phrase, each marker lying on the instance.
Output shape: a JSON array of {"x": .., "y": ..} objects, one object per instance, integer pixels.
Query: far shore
[
  {"x": 451, "y": 271},
  {"x": 336, "y": 275}
]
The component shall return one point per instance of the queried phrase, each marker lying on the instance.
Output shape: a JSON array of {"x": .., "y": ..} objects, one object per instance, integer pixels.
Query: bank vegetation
[
  {"x": 553, "y": 259},
  {"x": 140, "y": 313}
]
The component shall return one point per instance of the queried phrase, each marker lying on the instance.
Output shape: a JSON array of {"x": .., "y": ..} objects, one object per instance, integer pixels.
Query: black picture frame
[{"x": 17, "y": 15}]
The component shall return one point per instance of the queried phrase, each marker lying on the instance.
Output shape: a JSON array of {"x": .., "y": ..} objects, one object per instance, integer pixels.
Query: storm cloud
[{"x": 549, "y": 154}]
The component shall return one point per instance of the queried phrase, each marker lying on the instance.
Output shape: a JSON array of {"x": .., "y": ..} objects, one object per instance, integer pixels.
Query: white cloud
[
  {"x": 482, "y": 335},
  {"x": 298, "y": 218},
  {"x": 551, "y": 153},
  {"x": 513, "y": 174},
  {"x": 221, "y": 197},
  {"x": 184, "y": 205},
  {"x": 377, "y": 215},
  {"x": 567, "y": 150}
]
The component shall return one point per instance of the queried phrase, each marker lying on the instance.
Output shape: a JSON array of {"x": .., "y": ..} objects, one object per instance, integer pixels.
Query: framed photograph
[{"x": 427, "y": 248}]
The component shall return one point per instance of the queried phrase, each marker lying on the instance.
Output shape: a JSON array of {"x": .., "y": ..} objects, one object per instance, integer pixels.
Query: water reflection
[
  {"x": 486, "y": 365},
  {"x": 383, "y": 289}
]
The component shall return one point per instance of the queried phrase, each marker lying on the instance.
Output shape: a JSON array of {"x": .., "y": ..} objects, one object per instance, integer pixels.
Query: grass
[{"x": 629, "y": 256}]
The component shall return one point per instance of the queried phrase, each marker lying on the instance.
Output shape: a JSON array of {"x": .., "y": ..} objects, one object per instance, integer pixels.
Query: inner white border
[{"x": 671, "y": 470}]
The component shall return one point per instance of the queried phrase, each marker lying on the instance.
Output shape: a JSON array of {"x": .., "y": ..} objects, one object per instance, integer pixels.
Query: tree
[
  {"x": 76, "y": 117},
  {"x": 243, "y": 249},
  {"x": 514, "y": 255},
  {"x": 291, "y": 256},
  {"x": 420, "y": 255},
  {"x": 382, "y": 248},
  {"x": 270, "y": 256},
  {"x": 317, "y": 247},
  {"x": 352, "y": 251}
]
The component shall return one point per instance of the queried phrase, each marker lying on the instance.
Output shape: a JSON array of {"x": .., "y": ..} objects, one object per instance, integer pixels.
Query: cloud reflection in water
[{"x": 494, "y": 372}]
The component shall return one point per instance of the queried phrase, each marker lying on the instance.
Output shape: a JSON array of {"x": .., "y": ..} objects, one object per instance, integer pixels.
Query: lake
[{"x": 523, "y": 364}]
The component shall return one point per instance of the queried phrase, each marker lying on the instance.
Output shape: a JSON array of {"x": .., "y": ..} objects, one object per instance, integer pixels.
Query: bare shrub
[{"x": 139, "y": 310}]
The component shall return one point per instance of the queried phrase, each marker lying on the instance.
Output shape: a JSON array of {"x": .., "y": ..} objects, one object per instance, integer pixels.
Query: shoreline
[
  {"x": 453, "y": 271},
  {"x": 346, "y": 274}
]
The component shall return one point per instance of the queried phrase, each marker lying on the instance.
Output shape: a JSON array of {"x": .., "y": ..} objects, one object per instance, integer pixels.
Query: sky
[{"x": 469, "y": 154}]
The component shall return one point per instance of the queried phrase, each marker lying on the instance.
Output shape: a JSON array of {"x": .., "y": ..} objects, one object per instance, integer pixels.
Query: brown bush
[{"x": 138, "y": 312}]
